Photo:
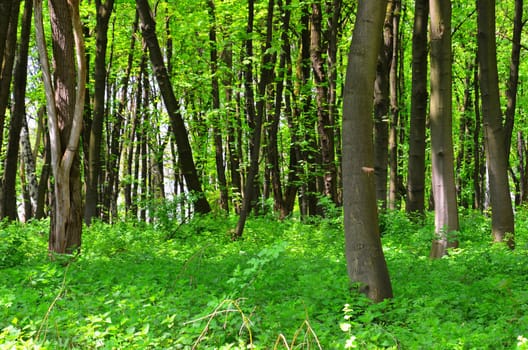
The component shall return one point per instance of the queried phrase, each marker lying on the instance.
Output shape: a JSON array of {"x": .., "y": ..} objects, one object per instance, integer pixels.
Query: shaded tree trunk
[
  {"x": 365, "y": 260},
  {"x": 188, "y": 167},
  {"x": 104, "y": 11},
  {"x": 381, "y": 110},
  {"x": 444, "y": 191},
  {"x": 9, "y": 180},
  {"x": 502, "y": 222},
  {"x": 416, "y": 160}
]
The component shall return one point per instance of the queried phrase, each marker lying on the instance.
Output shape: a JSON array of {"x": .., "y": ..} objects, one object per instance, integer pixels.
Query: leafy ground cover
[{"x": 283, "y": 286}]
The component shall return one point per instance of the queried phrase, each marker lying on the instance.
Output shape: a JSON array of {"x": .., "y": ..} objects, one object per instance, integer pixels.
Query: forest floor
[{"x": 282, "y": 286}]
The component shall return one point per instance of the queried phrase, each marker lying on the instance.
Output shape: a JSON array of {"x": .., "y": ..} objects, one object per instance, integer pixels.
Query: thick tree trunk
[
  {"x": 502, "y": 222},
  {"x": 17, "y": 118},
  {"x": 179, "y": 129},
  {"x": 104, "y": 11},
  {"x": 444, "y": 191},
  {"x": 416, "y": 160},
  {"x": 65, "y": 105},
  {"x": 365, "y": 260}
]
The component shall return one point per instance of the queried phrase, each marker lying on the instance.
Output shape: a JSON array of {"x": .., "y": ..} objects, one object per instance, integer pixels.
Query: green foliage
[{"x": 282, "y": 286}]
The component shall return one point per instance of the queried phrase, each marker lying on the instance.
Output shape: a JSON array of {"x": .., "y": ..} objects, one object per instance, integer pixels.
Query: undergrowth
[{"x": 282, "y": 286}]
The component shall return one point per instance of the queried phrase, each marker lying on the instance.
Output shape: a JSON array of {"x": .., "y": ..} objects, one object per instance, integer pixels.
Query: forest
[{"x": 263, "y": 174}]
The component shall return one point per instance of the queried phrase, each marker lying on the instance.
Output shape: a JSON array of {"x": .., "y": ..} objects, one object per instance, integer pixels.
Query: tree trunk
[
  {"x": 444, "y": 191},
  {"x": 8, "y": 46},
  {"x": 266, "y": 77},
  {"x": 416, "y": 160},
  {"x": 18, "y": 115},
  {"x": 104, "y": 11},
  {"x": 394, "y": 180},
  {"x": 513, "y": 80},
  {"x": 217, "y": 130},
  {"x": 179, "y": 129},
  {"x": 365, "y": 260},
  {"x": 381, "y": 110},
  {"x": 502, "y": 222},
  {"x": 325, "y": 128},
  {"x": 65, "y": 105}
]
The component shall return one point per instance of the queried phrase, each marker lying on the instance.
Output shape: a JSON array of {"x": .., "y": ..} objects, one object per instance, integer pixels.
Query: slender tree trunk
[
  {"x": 513, "y": 79},
  {"x": 17, "y": 117},
  {"x": 104, "y": 11},
  {"x": 502, "y": 222},
  {"x": 179, "y": 129},
  {"x": 394, "y": 193},
  {"x": 381, "y": 110},
  {"x": 217, "y": 131},
  {"x": 444, "y": 191},
  {"x": 265, "y": 79},
  {"x": 416, "y": 162},
  {"x": 7, "y": 59},
  {"x": 29, "y": 169},
  {"x": 365, "y": 260}
]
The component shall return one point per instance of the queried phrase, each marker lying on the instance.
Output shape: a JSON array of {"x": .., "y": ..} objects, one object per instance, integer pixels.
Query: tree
[
  {"x": 502, "y": 223},
  {"x": 104, "y": 11},
  {"x": 148, "y": 28},
  {"x": 416, "y": 163},
  {"x": 18, "y": 115},
  {"x": 65, "y": 103},
  {"x": 444, "y": 192},
  {"x": 365, "y": 260}
]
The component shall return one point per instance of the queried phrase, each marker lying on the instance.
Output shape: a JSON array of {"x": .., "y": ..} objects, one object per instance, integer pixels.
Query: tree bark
[
  {"x": 502, "y": 222},
  {"x": 365, "y": 260},
  {"x": 148, "y": 29},
  {"x": 513, "y": 79},
  {"x": 65, "y": 105},
  {"x": 17, "y": 117},
  {"x": 381, "y": 110},
  {"x": 416, "y": 160},
  {"x": 104, "y": 11},
  {"x": 444, "y": 191}
]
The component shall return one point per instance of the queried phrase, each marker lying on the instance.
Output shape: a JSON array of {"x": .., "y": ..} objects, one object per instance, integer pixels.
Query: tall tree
[
  {"x": 416, "y": 162},
  {"x": 381, "y": 110},
  {"x": 365, "y": 260},
  {"x": 18, "y": 115},
  {"x": 104, "y": 11},
  {"x": 65, "y": 103},
  {"x": 444, "y": 192},
  {"x": 148, "y": 28},
  {"x": 502, "y": 222}
]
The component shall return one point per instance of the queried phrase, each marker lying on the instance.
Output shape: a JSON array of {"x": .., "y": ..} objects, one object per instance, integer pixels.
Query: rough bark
[
  {"x": 65, "y": 105},
  {"x": 502, "y": 222},
  {"x": 416, "y": 159},
  {"x": 365, "y": 260},
  {"x": 444, "y": 191},
  {"x": 188, "y": 167}
]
